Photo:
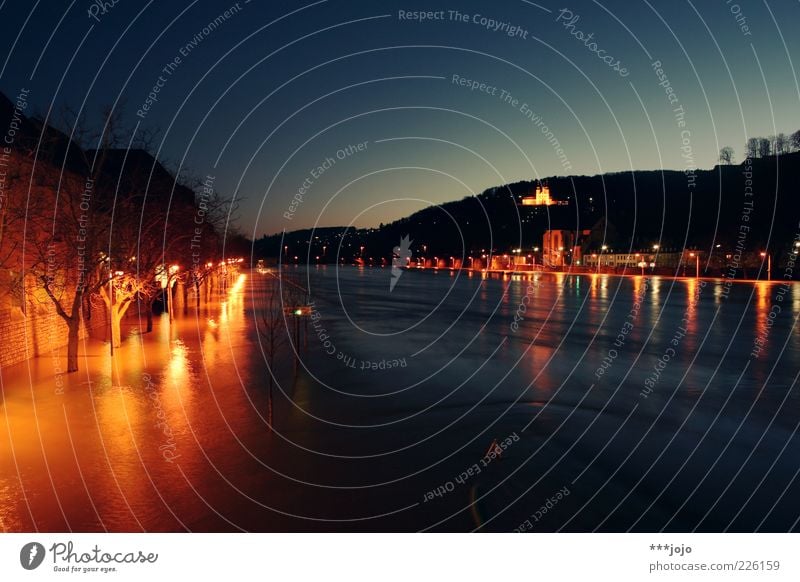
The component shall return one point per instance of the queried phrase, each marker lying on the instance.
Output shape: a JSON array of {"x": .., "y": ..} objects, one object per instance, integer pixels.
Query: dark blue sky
[{"x": 266, "y": 96}]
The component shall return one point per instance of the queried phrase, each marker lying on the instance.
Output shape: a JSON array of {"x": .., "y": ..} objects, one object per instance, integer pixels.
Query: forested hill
[{"x": 640, "y": 208}]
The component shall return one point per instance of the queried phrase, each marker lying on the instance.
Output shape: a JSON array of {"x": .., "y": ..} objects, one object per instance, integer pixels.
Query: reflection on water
[{"x": 171, "y": 434}]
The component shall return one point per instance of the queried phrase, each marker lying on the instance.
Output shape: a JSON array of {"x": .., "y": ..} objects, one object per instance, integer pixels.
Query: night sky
[{"x": 277, "y": 96}]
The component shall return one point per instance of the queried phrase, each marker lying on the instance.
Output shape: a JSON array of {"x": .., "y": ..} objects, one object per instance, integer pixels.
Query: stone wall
[{"x": 36, "y": 331}]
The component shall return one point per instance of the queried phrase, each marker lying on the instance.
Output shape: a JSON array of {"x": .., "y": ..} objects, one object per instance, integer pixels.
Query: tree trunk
[
  {"x": 74, "y": 326},
  {"x": 197, "y": 296},
  {"x": 149, "y": 306},
  {"x": 116, "y": 328}
]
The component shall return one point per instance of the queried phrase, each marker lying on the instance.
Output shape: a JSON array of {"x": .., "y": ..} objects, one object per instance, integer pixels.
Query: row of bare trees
[
  {"x": 762, "y": 147},
  {"x": 91, "y": 214}
]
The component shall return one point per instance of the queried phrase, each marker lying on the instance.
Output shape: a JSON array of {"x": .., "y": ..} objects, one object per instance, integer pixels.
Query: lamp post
[
  {"x": 769, "y": 265},
  {"x": 696, "y": 257},
  {"x": 603, "y": 248}
]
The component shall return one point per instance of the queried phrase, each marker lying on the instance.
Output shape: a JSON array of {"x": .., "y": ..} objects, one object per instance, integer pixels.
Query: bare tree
[
  {"x": 62, "y": 250},
  {"x": 726, "y": 155},
  {"x": 781, "y": 144},
  {"x": 274, "y": 330},
  {"x": 794, "y": 140},
  {"x": 751, "y": 148},
  {"x": 764, "y": 147}
]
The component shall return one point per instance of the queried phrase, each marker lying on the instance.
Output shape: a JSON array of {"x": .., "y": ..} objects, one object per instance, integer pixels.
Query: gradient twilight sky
[{"x": 279, "y": 87}]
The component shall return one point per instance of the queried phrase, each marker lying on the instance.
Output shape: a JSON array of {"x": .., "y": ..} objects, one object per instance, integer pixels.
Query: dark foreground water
[{"x": 453, "y": 402}]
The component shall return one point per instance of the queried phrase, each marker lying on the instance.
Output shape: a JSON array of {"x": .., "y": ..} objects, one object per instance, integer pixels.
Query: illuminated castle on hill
[{"x": 542, "y": 198}]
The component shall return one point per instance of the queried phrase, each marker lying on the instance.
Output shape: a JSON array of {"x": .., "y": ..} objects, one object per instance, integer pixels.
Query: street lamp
[
  {"x": 696, "y": 257},
  {"x": 603, "y": 248},
  {"x": 769, "y": 265}
]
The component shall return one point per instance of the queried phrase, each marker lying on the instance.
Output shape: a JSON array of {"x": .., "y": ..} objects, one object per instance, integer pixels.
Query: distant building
[
  {"x": 562, "y": 247},
  {"x": 542, "y": 197},
  {"x": 651, "y": 259}
]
